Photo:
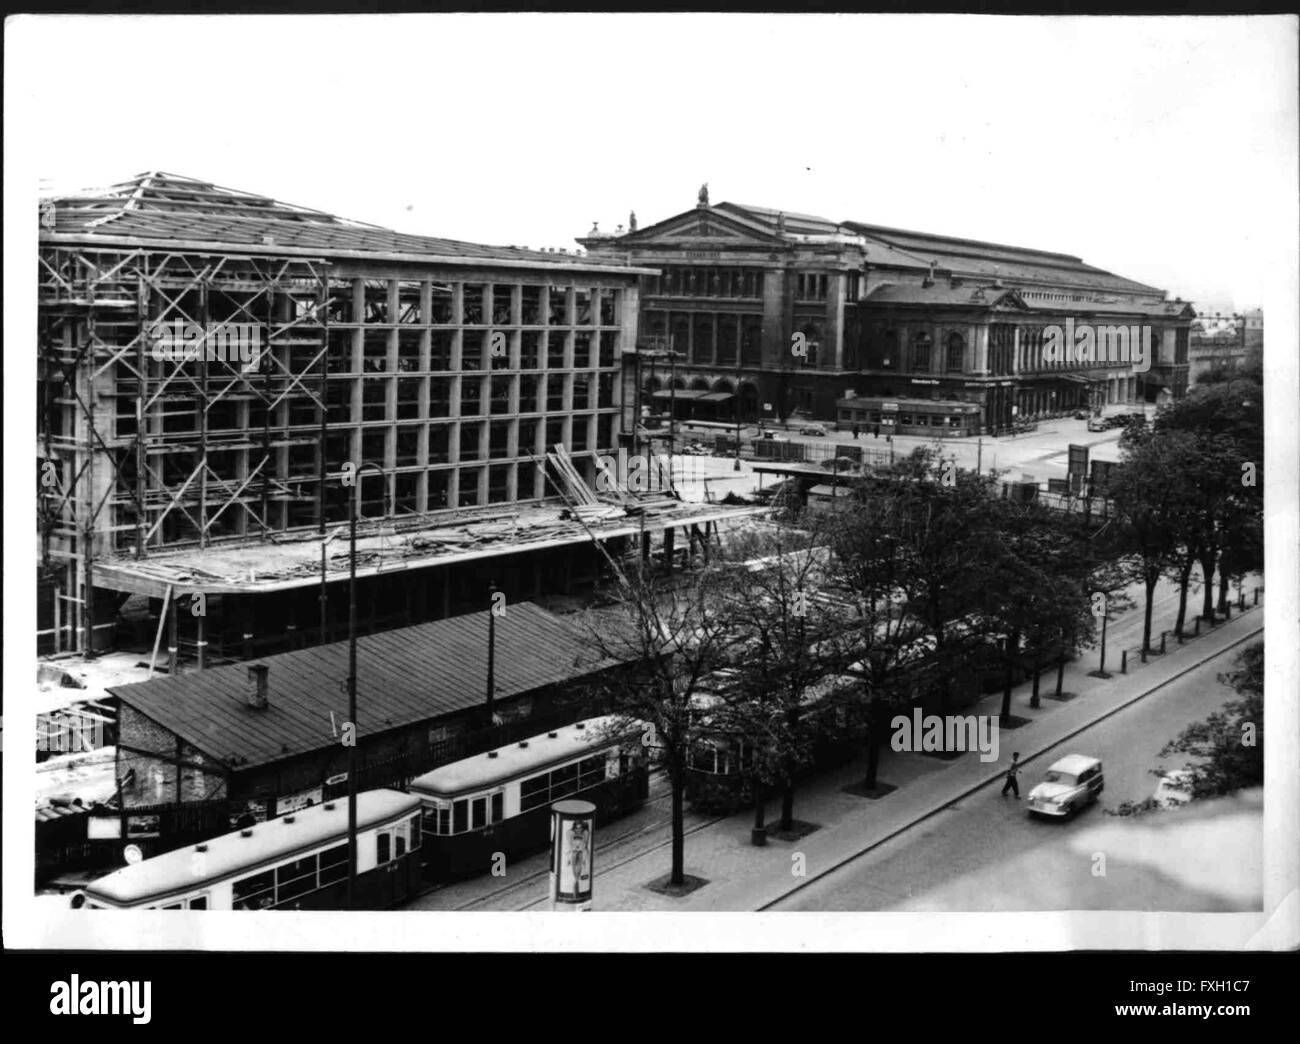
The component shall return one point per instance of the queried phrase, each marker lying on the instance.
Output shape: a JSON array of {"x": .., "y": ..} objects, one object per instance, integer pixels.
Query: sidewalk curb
[{"x": 924, "y": 815}]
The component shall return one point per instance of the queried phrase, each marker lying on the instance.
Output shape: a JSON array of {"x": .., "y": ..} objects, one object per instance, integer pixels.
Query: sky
[{"x": 1154, "y": 147}]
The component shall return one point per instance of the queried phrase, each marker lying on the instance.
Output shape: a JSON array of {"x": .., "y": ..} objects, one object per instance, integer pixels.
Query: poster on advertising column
[{"x": 571, "y": 856}]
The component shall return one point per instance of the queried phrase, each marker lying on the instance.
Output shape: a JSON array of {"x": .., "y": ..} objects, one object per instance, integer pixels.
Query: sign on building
[{"x": 294, "y": 802}]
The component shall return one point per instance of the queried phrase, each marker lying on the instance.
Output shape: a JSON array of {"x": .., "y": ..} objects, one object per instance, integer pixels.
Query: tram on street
[
  {"x": 295, "y": 862},
  {"x": 499, "y": 801},
  {"x": 719, "y": 763}
]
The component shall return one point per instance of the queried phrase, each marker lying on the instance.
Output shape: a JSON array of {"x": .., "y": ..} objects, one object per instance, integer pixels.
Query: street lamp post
[
  {"x": 672, "y": 409},
  {"x": 739, "y": 376},
  {"x": 324, "y": 596},
  {"x": 352, "y": 680},
  {"x": 737, "y": 402},
  {"x": 324, "y": 581},
  {"x": 492, "y": 650}
]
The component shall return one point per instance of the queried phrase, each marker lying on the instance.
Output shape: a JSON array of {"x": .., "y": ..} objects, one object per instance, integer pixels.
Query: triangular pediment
[
  {"x": 705, "y": 227},
  {"x": 1005, "y": 300},
  {"x": 702, "y": 225}
]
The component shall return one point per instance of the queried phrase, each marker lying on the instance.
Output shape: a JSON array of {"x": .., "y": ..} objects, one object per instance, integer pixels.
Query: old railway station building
[{"x": 757, "y": 313}]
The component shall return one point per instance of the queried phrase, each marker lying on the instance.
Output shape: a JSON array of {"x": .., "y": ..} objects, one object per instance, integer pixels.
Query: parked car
[
  {"x": 812, "y": 429},
  {"x": 1080, "y": 414},
  {"x": 1175, "y": 788},
  {"x": 1071, "y": 783}
]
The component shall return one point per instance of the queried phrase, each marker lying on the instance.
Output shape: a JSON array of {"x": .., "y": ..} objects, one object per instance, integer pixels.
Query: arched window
[
  {"x": 921, "y": 345},
  {"x": 956, "y": 352}
]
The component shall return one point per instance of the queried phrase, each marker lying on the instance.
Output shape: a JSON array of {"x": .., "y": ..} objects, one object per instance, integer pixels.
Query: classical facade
[{"x": 760, "y": 313}]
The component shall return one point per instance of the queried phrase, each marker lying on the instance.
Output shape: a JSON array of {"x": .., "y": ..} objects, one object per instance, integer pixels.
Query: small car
[
  {"x": 1071, "y": 783},
  {"x": 812, "y": 429},
  {"x": 1097, "y": 424}
]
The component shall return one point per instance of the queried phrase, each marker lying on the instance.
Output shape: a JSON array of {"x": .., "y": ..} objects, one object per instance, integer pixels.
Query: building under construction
[{"x": 218, "y": 370}]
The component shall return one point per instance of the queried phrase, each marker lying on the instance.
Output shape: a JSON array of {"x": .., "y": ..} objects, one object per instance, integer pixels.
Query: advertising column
[{"x": 571, "y": 854}]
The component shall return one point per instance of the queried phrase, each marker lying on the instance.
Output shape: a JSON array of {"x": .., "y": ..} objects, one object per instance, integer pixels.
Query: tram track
[
  {"x": 614, "y": 866},
  {"x": 658, "y": 782}
]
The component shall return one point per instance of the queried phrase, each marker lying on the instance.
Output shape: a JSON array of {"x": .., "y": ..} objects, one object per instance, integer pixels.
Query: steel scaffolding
[{"x": 142, "y": 448}]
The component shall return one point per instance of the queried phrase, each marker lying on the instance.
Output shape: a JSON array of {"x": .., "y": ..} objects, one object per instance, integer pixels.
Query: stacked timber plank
[
  {"x": 577, "y": 492},
  {"x": 582, "y": 500}
]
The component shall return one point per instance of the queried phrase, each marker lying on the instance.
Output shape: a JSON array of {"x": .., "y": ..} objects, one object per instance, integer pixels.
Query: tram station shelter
[{"x": 269, "y": 735}]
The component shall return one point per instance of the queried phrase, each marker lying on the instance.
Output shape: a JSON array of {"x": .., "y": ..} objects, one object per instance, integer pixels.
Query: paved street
[
  {"x": 987, "y": 853},
  {"x": 1038, "y": 455}
]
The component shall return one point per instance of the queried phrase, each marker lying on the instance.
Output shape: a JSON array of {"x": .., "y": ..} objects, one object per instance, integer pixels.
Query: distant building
[
  {"x": 1254, "y": 323},
  {"x": 1214, "y": 324},
  {"x": 770, "y": 313},
  {"x": 1222, "y": 338}
]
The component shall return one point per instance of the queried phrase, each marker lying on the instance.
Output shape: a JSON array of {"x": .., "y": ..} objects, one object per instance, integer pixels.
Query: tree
[
  {"x": 785, "y": 626},
  {"x": 1229, "y": 744},
  {"x": 1227, "y": 418},
  {"x": 1152, "y": 491},
  {"x": 944, "y": 523},
  {"x": 901, "y": 550},
  {"x": 1212, "y": 513},
  {"x": 672, "y": 634},
  {"x": 1040, "y": 595}
]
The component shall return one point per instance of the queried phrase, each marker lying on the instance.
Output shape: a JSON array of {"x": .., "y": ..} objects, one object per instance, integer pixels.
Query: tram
[
  {"x": 719, "y": 764},
  {"x": 499, "y": 801},
  {"x": 296, "y": 862}
]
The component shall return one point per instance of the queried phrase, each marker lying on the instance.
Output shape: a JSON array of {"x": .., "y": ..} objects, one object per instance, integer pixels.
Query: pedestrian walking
[
  {"x": 875, "y": 434},
  {"x": 855, "y": 433},
  {"x": 1011, "y": 783}
]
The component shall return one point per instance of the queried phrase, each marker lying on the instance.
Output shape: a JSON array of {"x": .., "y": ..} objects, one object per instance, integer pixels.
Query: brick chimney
[{"x": 258, "y": 683}]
